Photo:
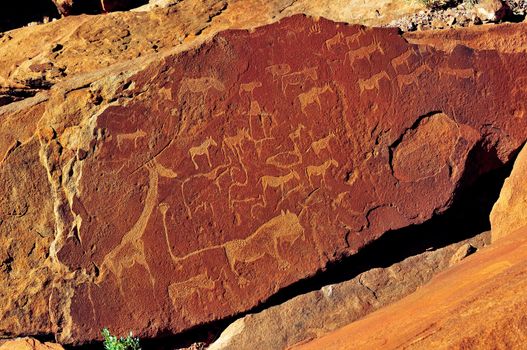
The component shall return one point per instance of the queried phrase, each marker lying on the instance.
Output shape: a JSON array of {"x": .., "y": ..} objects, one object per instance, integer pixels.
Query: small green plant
[{"x": 111, "y": 342}]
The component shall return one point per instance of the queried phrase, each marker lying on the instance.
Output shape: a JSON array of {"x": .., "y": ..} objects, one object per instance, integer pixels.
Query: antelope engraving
[
  {"x": 278, "y": 181},
  {"x": 412, "y": 78},
  {"x": 322, "y": 144},
  {"x": 320, "y": 170},
  {"x": 234, "y": 143},
  {"x": 298, "y": 78},
  {"x": 249, "y": 87},
  {"x": 363, "y": 52},
  {"x": 199, "y": 85},
  {"x": 134, "y": 136},
  {"x": 334, "y": 41},
  {"x": 278, "y": 70},
  {"x": 401, "y": 59},
  {"x": 312, "y": 96},
  {"x": 465, "y": 73},
  {"x": 372, "y": 82},
  {"x": 202, "y": 149},
  {"x": 354, "y": 38}
]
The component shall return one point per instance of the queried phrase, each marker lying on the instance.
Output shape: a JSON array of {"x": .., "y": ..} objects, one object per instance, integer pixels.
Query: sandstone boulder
[
  {"x": 477, "y": 304},
  {"x": 510, "y": 211},
  {"x": 160, "y": 197}
]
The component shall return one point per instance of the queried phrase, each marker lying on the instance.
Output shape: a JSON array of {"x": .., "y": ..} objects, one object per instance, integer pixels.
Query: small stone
[
  {"x": 47, "y": 133},
  {"x": 438, "y": 23},
  {"x": 492, "y": 10},
  {"x": 476, "y": 20},
  {"x": 451, "y": 21}
]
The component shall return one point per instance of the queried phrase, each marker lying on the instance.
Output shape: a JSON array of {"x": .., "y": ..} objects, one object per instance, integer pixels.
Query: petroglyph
[
  {"x": 412, "y": 78},
  {"x": 313, "y": 96},
  {"x": 278, "y": 70},
  {"x": 363, "y": 52},
  {"x": 314, "y": 29},
  {"x": 214, "y": 176},
  {"x": 200, "y": 85},
  {"x": 202, "y": 149},
  {"x": 130, "y": 249},
  {"x": 287, "y": 159},
  {"x": 372, "y": 82},
  {"x": 266, "y": 239},
  {"x": 180, "y": 292},
  {"x": 254, "y": 109},
  {"x": 234, "y": 143},
  {"x": 163, "y": 209},
  {"x": 355, "y": 38},
  {"x": 462, "y": 73},
  {"x": 249, "y": 87},
  {"x": 299, "y": 78},
  {"x": 322, "y": 144},
  {"x": 134, "y": 136},
  {"x": 278, "y": 181},
  {"x": 402, "y": 59},
  {"x": 320, "y": 170},
  {"x": 334, "y": 41}
]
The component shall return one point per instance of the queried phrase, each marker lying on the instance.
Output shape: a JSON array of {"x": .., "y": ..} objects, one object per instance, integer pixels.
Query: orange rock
[
  {"x": 510, "y": 211},
  {"x": 483, "y": 37},
  {"x": 478, "y": 304},
  {"x": 28, "y": 344}
]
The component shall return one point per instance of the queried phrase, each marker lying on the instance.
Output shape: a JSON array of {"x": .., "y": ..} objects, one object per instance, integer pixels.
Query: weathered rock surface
[
  {"x": 510, "y": 211},
  {"x": 484, "y": 37},
  {"x": 184, "y": 191},
  {"x": 43, "y": 55},
  {"x": 492, "y": 10},
  {"x": 76, "y": 7},
  {"x": 478, "y": 304},
  {"x": 314, "y": 314},
  {"x": 28, "y": 344}
]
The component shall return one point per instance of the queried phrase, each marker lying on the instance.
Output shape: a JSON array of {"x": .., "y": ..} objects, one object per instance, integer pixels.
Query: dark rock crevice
[{"x": 19, "y": 13}]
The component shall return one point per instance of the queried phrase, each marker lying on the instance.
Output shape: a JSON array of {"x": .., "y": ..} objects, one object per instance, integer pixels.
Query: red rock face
[{"x": 249, "y": 163}]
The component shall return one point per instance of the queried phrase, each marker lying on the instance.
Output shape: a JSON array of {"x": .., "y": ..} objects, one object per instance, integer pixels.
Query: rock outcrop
[
  {"x": 28, "y": 344},
  {"x": 176, "y": 190},
  {"x": 510, "y": 211},
  {"x": 477, "y": 304},
  {"x": 314, "y": 314}
]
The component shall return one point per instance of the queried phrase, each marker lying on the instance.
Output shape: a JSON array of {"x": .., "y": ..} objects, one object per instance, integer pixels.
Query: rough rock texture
[
  {"x": 314, "y": 314},
  {"x": 76, "y": 7},
  {"x": 484, "y": 37},
  {"x": 478, "y": 304},
  {"x": 156, "y": 198},
  {"x": 510, "y": 211},
  {"x": 492, "y": 10},
  {"x": 38, "y": 57},
  {"x": 28, "y": 344}
]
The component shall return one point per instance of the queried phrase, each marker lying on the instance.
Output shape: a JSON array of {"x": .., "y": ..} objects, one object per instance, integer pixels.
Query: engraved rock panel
[{"x": 200, "y": 186}]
